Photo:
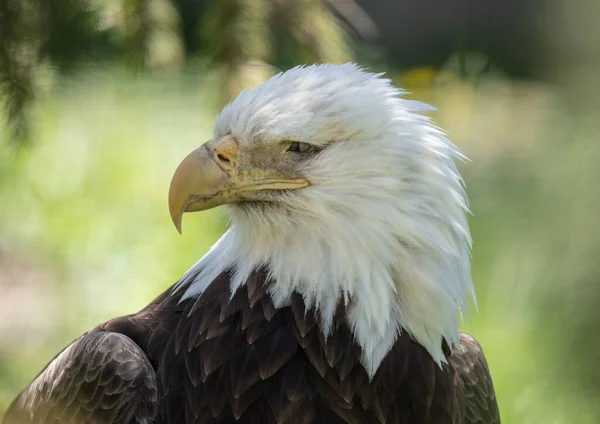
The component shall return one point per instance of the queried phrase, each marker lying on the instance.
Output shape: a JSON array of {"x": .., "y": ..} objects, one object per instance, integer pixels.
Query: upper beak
[{"x": 209, "y": 177}]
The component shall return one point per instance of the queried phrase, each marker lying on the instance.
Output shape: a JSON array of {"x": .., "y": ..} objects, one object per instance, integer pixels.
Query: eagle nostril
[{"x": 223, "y": 159}]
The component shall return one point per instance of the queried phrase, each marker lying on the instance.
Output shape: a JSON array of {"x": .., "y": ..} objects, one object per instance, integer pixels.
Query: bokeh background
[{"x": 103, "y": 98}]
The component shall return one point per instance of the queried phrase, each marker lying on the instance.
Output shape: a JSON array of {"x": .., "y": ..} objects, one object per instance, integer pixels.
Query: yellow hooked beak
[{"x": 209, "y": 177}]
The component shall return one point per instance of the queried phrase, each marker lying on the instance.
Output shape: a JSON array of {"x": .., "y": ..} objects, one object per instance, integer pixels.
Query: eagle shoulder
[
  {"x": 480, "y": 404},
  {"x": 101, "y": 378}
]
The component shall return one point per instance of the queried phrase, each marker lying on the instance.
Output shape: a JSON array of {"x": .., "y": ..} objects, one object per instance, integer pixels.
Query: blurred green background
[{"x": 103, "y": 99}]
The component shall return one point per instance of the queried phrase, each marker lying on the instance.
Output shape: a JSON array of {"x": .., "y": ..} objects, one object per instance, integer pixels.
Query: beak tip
[
  {"x": 177, "y": 220},
  {"x": 178, "y": 225}
]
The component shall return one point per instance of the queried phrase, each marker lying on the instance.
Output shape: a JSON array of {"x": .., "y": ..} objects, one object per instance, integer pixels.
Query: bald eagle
[{"x": 335, "y": 295}]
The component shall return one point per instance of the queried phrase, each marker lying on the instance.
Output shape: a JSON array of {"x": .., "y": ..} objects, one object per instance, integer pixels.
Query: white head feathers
[{"x": 382, "y": 226}]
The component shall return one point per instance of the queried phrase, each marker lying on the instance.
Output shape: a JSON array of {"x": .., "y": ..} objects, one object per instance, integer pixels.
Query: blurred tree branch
[
  {"x": 18, "y": 58},
  {"x": 62, "y": 33},
  {"x": 245, "y": 38},
  {"x": 153, "y": 34}
]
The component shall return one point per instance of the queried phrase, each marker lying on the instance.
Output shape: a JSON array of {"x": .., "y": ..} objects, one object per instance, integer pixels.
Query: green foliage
[
  {"x": 153, "y": 34},
  {"x": 33, "y": 32},
  {"x": 15, "y": 71},
  {"x": 68, "y": 32}
]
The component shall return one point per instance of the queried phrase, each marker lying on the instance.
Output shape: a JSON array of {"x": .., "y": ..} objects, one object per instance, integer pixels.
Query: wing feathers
[
  {"x": 480, "y": 399},
  {"x": 101, "y": 378}
]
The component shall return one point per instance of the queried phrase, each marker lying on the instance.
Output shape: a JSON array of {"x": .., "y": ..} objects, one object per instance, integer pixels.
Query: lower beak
[{"x": 209, "y": 177}]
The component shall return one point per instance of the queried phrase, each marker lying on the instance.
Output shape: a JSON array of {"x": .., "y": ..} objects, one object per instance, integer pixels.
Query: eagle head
[{"x": 345, "y": 192}]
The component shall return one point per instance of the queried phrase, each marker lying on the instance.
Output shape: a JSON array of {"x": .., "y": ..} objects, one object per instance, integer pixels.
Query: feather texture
[{"x": 167, "y": 364}]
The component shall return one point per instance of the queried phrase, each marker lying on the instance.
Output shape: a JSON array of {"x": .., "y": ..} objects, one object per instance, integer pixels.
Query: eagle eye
[{"x": 299, "y": 147}]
